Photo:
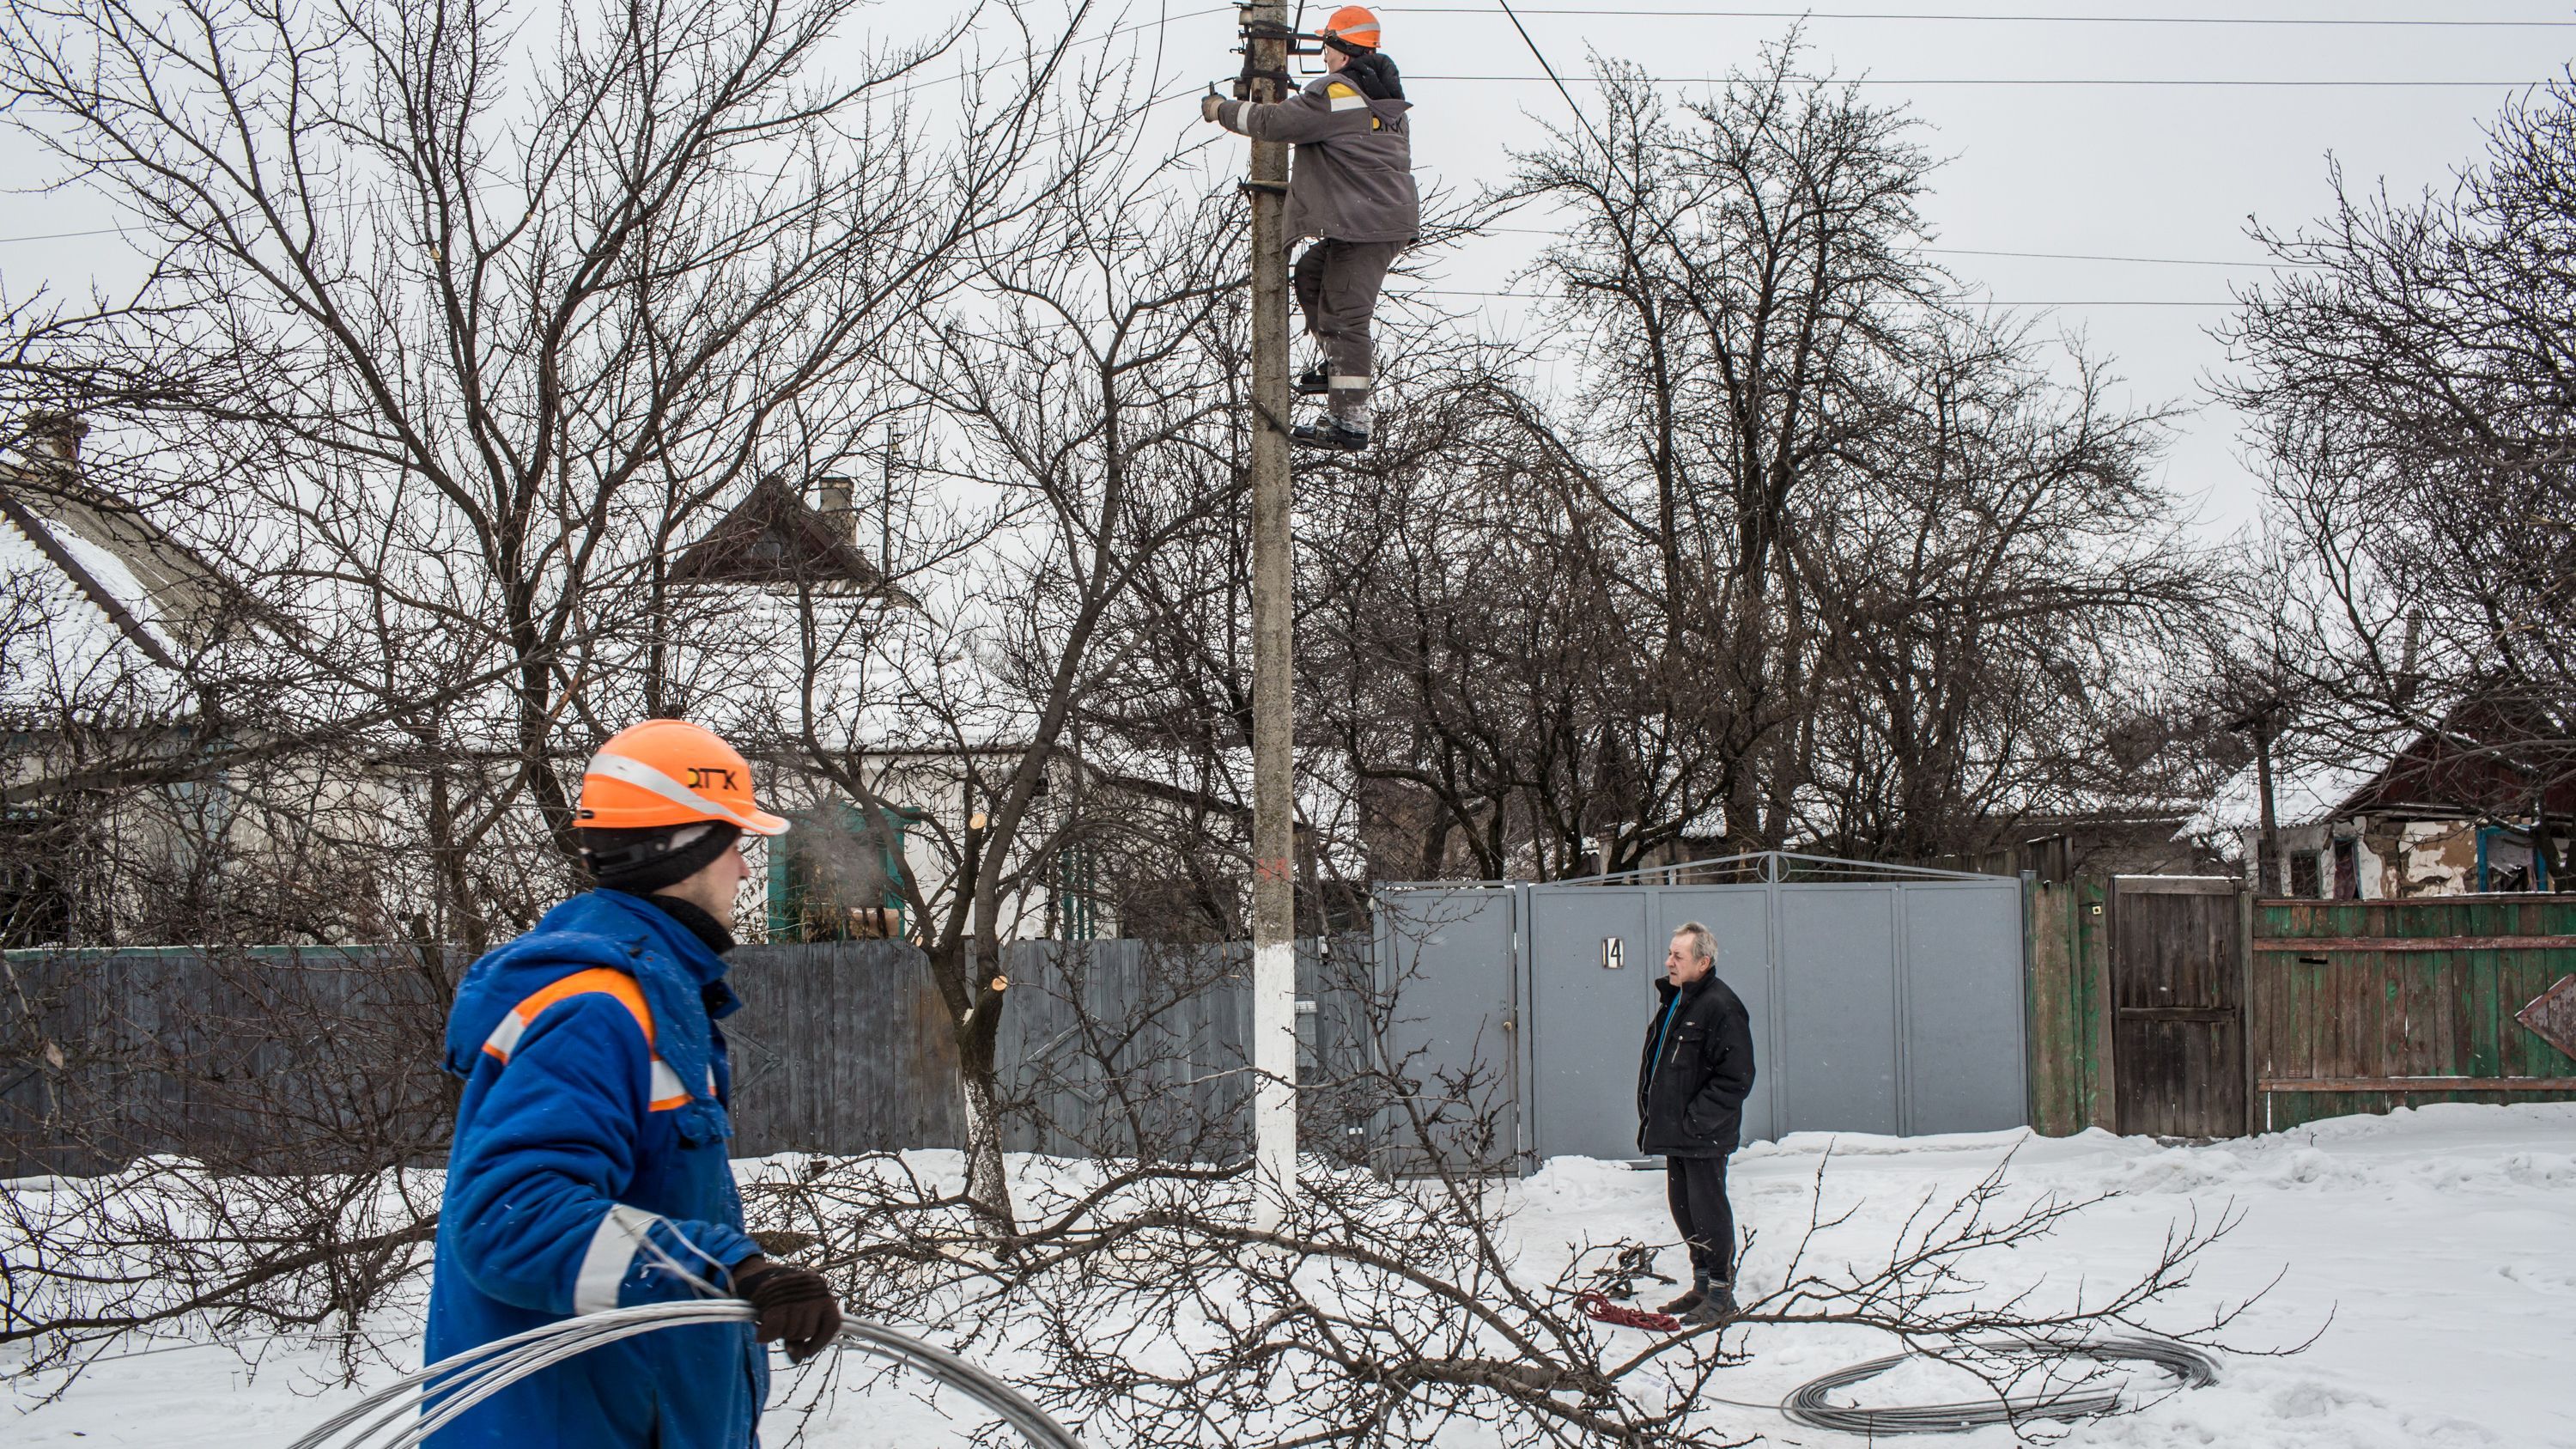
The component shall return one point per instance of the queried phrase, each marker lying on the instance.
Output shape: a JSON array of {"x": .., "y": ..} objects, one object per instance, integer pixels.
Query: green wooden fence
[
  {"x": 2070, "y": 1008},
  {"x": 2367, "y": 1006}
]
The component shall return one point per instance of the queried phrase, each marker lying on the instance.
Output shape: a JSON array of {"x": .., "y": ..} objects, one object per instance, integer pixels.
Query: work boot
[
  {"x": 1314, "y": 382},
  {"x": 1332, "y": 432},
  {"x": 1686, "y": 1303},
  {"x": 1716, "y": 1305}
]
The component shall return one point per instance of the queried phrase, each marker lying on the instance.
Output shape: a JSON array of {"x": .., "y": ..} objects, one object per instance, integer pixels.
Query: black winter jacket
[{"x": 1690, "y": 1093}]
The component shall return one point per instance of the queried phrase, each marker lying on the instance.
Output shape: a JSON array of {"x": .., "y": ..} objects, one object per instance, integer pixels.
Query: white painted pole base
[{"x": 1274, "y": 1101}]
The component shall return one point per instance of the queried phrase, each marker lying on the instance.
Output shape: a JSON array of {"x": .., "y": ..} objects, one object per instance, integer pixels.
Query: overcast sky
[{"x": 2093, "y": 164}]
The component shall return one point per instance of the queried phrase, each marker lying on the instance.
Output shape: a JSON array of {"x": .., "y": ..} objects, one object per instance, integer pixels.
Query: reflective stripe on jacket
[
  {"x": 590, "y": 1171},
  {"x": 1353, "y": 177}
]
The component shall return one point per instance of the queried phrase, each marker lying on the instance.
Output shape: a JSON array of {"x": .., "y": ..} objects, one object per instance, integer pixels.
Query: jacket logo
[{"x": 701, "y": 776}]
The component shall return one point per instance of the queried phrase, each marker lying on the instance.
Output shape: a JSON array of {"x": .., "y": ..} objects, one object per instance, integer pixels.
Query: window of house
[
  {"x": 832, "y": 879},
  {"x": 2507, "y": 862},
  {"x": 2305, "y": 875},
  {"x": 1077, "y": 894},
  {"x": 2347, "y": 870}
]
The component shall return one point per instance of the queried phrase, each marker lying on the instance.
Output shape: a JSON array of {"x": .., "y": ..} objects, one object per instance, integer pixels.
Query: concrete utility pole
[{"x": 1274, "y": 898}]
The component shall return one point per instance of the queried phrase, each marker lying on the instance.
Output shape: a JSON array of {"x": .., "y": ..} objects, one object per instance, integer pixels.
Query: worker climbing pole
[{"x": 1351, "y": 194}]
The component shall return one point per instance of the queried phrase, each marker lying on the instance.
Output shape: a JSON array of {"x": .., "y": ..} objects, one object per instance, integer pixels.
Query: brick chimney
[
  {"x": 55, "y": 438},
  {"x": 834, "y": 499}
]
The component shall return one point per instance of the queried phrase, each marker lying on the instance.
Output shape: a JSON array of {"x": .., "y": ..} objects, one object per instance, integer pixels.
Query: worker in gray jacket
[{"x": 1351, "y": 188}]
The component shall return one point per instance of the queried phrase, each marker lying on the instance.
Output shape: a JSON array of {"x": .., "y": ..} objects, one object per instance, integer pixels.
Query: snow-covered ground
[{"x": 2440, "y": 1243}]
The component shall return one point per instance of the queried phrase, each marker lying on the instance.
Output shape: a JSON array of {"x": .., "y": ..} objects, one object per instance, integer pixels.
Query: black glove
[{"x": 794, "y": 1304}]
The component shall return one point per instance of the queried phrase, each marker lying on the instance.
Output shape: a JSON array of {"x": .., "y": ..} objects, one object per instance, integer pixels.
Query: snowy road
[{"x": 2441, "y": 1242}]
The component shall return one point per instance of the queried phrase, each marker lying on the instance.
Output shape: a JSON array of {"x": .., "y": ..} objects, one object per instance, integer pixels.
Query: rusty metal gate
[{"x": 1884, "y": 999}]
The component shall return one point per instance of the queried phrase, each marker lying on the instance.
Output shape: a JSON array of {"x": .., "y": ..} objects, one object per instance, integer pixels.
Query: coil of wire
[
  {"x": 2192, "y": 1367},
  {"x": 405, "y": 1413}
]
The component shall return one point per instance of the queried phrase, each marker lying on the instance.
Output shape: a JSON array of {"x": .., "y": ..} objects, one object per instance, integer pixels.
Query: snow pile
[{"x": 2427, "y": 1253}]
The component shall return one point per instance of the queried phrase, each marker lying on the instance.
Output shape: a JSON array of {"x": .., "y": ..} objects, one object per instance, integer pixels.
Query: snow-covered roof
[
  {"x": 2301, "y": 795},
  {"x": 86, "y": 635}
]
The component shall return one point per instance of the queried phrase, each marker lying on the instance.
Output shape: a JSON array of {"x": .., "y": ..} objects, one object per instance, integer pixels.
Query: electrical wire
[
  {"x": 2243, "y": 265},
  {"x": 2012, "y": 19},
  {"x": 2115, "y": 81},
  {"x": 403, "y": 1414},
  {"x": 2192, "y": 1367}
]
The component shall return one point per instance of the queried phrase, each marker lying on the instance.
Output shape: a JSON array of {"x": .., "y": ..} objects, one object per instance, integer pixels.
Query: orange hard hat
[
  {"x": 670, "y": 772},
  {"x": 1355, "y": 24}
]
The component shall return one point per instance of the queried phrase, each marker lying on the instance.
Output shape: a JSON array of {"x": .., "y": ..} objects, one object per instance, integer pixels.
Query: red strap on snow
[{"x": 1598, "y": 1307}]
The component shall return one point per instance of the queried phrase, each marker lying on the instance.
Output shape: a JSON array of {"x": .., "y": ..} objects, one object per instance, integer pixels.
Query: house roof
[
  {"x": 2301, "y": 795},
  {"x": 2477, "y": 762},
  {"x": 78, "y": 631},
  {"x": 774, "y": 537},
  {"x": 182, "y": 594},
  {"x": 2464, "y": 768}
]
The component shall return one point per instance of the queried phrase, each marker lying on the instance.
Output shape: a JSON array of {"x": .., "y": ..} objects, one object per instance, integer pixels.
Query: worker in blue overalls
[{"x": 589, "y": 1169}]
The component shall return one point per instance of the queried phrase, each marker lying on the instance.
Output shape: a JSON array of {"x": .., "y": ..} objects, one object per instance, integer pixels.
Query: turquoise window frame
[
  {"x": 786, "y": 893},
  {"x": 2539, "y": 857}
]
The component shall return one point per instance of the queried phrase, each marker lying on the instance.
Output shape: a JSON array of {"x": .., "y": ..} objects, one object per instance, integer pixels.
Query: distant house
[
  {"x": 800, "y": 641},
  {"x": 2452, "y": 813},
  {"x": 99, "y": 607}
]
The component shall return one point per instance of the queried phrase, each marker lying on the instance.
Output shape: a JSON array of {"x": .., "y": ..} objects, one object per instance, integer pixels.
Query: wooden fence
[
  {"x": 2367, "y": 1006},
  {"x": 310, "y": 1059},
  {"x": 2348, "y": 1006},
  {"x": 2069, "y": 941}
]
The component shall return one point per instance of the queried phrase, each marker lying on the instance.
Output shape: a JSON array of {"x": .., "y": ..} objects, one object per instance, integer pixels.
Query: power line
[
  {"x": 1963, "y": 301},
  {"x": 2247, "y": 263},
  {"x": 1157, "y": 96},
  {"x": 2014, "y": 19},
  {"x": 1708, "y": 80}
]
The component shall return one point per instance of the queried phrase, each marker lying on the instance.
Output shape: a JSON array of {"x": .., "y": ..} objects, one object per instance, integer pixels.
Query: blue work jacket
[{"x": 590, "y": 1171}]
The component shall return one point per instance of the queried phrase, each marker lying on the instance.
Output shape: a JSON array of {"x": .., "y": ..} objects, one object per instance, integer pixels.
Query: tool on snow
[
  {"x": 1598, "y": 1307},
  {"x": 1618, "y": 1279}
]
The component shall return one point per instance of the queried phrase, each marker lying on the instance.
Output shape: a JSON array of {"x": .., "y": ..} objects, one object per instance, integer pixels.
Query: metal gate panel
[
  {"x": 1587, "y": 1019},
  {"x": 1740, "y": 918},
  {"x": 1839, "y": 1062},
  {"x": 1446, "y": 972},
  {"x": 1883, "y": 999},
  {"x": 1964, "y": 1036}
]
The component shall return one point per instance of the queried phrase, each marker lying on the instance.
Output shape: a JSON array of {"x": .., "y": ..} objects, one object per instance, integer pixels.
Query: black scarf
[{"x": 707, "y": 928}]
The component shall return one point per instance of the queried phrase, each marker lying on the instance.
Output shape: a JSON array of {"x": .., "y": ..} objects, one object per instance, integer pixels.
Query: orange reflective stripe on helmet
[
  {"x": 1355, "y": 24},
  {"x": 670, "y": 772},
  {"x": 667, "y": 1090}
]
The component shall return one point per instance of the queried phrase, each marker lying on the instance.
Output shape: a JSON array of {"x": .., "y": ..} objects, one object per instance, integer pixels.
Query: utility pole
[{"x": 1274, "y": 894}]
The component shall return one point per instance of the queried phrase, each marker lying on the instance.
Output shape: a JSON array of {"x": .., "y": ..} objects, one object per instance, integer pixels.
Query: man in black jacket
[{"x": 1698, "y": 1064}]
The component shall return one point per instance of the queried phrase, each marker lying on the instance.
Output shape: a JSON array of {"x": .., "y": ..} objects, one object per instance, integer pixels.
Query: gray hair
[{"x": 1702, "y": 939}]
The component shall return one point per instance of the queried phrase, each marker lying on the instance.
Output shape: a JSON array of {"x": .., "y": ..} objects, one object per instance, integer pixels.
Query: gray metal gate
[{"x": 1884, "y": 999}]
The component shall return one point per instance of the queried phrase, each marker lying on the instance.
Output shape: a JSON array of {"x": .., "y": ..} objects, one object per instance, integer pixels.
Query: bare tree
[
  {"x": 1084, "y": 395},
  {"x": 2409, "y": 370},
  {"x": 507, "y": 305},
  {"x": 1818, "y": 552}
]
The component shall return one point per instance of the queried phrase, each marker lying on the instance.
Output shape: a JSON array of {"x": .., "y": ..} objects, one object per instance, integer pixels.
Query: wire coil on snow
[
  {"x": 404, "y": 1413},
  {"x": 1807, "y": 1406}
]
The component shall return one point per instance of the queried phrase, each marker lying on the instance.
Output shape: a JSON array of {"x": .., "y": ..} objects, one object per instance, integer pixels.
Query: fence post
[{"x": 2249, "y": 1020}]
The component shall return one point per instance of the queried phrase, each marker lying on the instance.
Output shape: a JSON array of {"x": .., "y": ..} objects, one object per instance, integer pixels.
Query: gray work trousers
[{"x": 1337, "y": 287}]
